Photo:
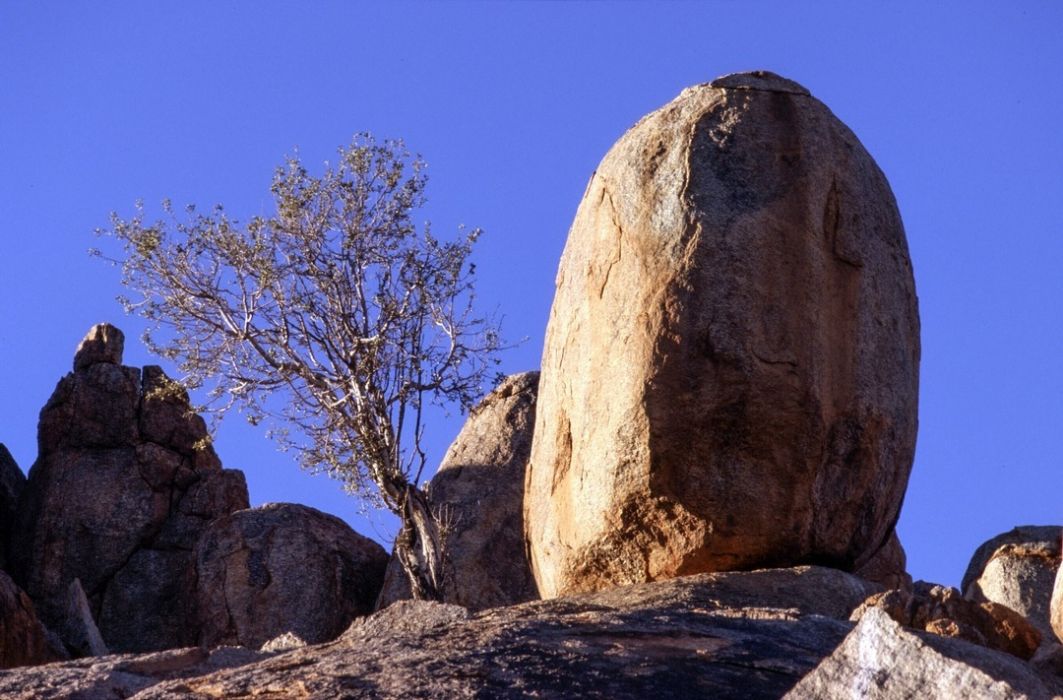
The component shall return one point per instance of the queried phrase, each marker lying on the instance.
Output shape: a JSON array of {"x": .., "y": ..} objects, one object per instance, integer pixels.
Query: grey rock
[
  {"x": 283, "y": 642},
  {"x": 283, "y": 568},
  {"x": 119, "y": 675},
  {"x": 695, "y": 636},
  {"x": 944, "y": 611},
  {"x": 480, "y": 490},
  {"x": 880, "y": 660},
  {"x": 1055, "y": 614},
  {"x": 78, "y": 629},
  {"x": 1018, "y": 569}
]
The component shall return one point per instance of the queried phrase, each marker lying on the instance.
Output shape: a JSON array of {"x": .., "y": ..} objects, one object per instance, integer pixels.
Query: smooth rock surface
[
  {"x": 283, "y": 568},
  {"x": 943, "y": 611},
  {"x": 730, "y": 373},
  {"x": 23, "y": 639},
  {"x": 732, "y": 635},
  {"x": 1018, "y": 569},
  {"x": 122, "y": 486},
  {"x": 12, "y": 481},
  {"x": 880, "y": 660},
  {"x": 480, "y": 486}
]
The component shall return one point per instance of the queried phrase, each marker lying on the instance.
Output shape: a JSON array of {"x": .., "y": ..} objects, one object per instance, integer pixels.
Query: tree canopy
[{"x": 336, "y": 316}]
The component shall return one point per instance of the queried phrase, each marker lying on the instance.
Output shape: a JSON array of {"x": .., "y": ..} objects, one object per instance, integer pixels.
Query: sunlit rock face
[{"x": 730, "y": 374}]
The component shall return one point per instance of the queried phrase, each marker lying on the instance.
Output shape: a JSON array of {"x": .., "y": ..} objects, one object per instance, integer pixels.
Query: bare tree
[{"x": 335, "y": 316}]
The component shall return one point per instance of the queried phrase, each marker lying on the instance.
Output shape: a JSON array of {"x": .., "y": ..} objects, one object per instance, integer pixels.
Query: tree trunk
[{"x": 419, "y": 546}]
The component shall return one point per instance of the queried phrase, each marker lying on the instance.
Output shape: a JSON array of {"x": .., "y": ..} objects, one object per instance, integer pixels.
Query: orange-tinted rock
[
  {"x": 730, "y": 374},
  {"x": 943, "y": 611},
  {"x": 1017, "y": 569}
]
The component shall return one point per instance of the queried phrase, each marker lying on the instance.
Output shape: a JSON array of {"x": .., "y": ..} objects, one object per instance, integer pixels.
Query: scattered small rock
[
  {"x": 942, "y": 610},
  {"x": 1018, "y": 569}
]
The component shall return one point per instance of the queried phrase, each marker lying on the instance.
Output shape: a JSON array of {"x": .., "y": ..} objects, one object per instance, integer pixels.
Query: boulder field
[
  {"x": 696, "y": 497},
  {"x": 128, "y": 536}
]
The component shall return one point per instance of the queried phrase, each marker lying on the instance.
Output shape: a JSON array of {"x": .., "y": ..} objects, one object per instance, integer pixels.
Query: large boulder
[
  {"x": 12, "y": 481},
  {"x": 730, "y": 374},
  {"x": 23, "y": 639},
  {"x": 283, "y": 568},
  {"x": 880, "y": 660},
  {"x": 123, "y": 484},
  {"x": 1017, "y": 569},
  {"x": 480, "y": 490},
  {"x": 728, "y": 635}
]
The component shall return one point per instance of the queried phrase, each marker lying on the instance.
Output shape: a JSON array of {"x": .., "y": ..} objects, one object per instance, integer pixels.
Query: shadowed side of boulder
[
  {"x": 479, "y": 492},
  {"x": 283, "y": 568}
]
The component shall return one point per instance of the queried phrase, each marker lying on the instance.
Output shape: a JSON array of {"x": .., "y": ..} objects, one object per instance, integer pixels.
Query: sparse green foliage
[{"x": 335, "y": 315}]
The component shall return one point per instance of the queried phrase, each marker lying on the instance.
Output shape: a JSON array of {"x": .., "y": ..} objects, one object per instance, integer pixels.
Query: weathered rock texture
[
  {"x": 122, "y": 486},
  {"x": 283, "y": 568},
  {"x": 120, "y": 675},
  {"x": 734, "y": 635},
  {"x": 881, "y": 661},
  {"x": 888, "y": 567},
  {"x": 12, "y": 481},
  {"x": 1056, "y": 605},
  {"x": 1017, "y": 569},
  {"x": 730, "y": 374},
  {"x": 23, "y": 639},
  {"x": 943, "y": 611},
  {"x": 480, "y": 487}
]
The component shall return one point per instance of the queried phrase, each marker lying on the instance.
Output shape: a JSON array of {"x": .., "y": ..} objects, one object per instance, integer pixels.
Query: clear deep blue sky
[{"x": 513, "y": 105}]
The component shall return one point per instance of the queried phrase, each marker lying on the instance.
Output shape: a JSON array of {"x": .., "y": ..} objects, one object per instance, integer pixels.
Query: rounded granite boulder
[{"x": 730, "y": 373}]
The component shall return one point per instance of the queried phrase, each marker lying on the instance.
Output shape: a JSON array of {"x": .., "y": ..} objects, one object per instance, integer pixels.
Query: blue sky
[{"x": 513, "y": 105}]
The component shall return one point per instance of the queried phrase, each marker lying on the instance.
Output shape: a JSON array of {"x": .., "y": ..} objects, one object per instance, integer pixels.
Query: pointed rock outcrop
[{"x": 123, "y": 485}]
